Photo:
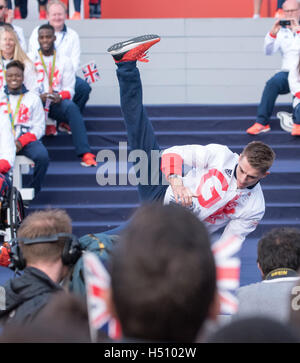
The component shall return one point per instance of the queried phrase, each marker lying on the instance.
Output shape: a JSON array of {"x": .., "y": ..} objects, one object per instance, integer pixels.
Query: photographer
[
  {"x": 46, "y": 250},
  {"x": 283, "y": 38}
]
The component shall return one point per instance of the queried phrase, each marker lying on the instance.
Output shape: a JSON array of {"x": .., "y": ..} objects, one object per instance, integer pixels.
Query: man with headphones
[{"x": 46, "y": 250}]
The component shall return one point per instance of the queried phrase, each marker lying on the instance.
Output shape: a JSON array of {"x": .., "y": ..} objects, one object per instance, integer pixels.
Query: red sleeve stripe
[
  {"x": 27, "y": 139},
  {"x": 66, "y": 95},
  {"x": 4, "y": 166},
  {"x": 171, "y": 164}
]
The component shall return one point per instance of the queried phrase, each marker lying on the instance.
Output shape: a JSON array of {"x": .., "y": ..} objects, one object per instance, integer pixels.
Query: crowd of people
[
  {"x": 40, "y": 91},
  {"x": 167, "y": 264},
  {"x": 19, "y": 9}
]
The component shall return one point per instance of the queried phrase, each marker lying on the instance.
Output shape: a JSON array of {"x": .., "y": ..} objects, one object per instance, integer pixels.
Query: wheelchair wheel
[{"x": 16, "y": 211}]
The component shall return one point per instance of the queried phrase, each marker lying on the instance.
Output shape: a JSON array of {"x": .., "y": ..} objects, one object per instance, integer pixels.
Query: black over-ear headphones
[{"x": 71, "y": 252}]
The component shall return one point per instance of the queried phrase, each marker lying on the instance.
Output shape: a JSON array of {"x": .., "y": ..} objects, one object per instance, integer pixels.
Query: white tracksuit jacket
[
  {"x": 21, "y": 37},
  {"x": 30, "y": 121},
  {"x": 287, "y": 44},
  {"x": 212, "y": 179},
  {"x": 7, "y": 146},
  {"x": 67, "y": 43},
  {"x": 64, "y": 75}
]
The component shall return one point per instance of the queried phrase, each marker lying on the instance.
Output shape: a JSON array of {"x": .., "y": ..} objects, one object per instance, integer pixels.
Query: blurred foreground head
[{"x": 163, "y": 275}]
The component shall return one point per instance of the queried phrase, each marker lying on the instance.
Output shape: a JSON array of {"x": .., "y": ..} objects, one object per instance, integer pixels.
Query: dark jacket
[{"x": 26, "y": 295}]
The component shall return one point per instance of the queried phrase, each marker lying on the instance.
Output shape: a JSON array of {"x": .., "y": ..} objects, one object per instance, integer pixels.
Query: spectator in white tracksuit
[
  {"x": 25, "y": 112},
  {"x": 67, "y": 43},
  {"x": 282, "y": 39},
  {"x": 56, "y": 80}
]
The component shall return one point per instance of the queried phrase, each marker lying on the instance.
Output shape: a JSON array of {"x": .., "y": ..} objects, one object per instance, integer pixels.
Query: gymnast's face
[{"x": 246, "y": 175}]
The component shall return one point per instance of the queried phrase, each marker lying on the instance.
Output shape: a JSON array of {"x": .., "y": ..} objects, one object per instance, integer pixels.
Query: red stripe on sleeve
[
  {"x": 171, "y": 164},
  {"x": 27, "y": 139},
  {"x": 4, "y": 166},
  {"x": 66, "y": 95}
]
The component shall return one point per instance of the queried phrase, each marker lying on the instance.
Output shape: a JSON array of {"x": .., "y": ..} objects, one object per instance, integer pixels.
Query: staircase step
[
  {"x": 128, "y": 194},
  {"x": 192, "y": 123},
  {"x": 71, "y": 173},
  {"x": 87, "y": 195},
  {"x": 171, "y": 138},
  {"x": 67, "y": 153},
  {"x": 121, "y": 211},
  {"x": 186, "y": 110},
  {"x": 278, "y": 194},
  {"x": 80, "y": 228}
]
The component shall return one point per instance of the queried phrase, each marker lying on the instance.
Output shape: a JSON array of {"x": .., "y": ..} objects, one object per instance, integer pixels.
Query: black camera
[{"x": 284, "y": 23}]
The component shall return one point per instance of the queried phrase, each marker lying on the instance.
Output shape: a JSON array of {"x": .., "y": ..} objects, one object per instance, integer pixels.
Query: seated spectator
[
  {"x": 163, "y": 276},
  {"x": 42, "y": 9},
  {"x": 20, "y": 11},
  {"x": 255, "y": 330},
  {"x": 6, "y": 16},
  {"x": 67, "y": 43},
  {"x": 10, "y": 49},
  {"x": 46, "y": 250},
  {"x": 77, "y": 8},
  {"x": 25, "y": 112},
  {"x": 95, "y": 9},
  {"x": 57, "y": 86},
  {"x": 278, "y": 257},
  {"x": 283, "y": 39}
]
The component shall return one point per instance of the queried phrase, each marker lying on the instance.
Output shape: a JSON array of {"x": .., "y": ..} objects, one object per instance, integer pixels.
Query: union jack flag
[
  {"x": 226, "y": 252},
  {"x": 90, "y": 72},
  {"x": 97, "y": 288}
]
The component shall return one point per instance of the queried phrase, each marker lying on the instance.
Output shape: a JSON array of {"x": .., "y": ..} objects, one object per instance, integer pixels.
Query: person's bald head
[{"x": 291, "y": 9}]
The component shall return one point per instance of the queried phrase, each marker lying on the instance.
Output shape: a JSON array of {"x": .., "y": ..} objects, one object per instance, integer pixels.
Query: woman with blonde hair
[{"x": 10, "y": 49}]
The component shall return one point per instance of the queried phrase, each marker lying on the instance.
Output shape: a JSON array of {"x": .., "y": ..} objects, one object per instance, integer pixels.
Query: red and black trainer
[{"x": 133, "y": 49}]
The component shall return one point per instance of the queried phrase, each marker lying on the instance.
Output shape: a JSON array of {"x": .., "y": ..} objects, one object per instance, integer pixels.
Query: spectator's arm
[
  {"x": 68, "y": 80},
  {"x": 271, "y": 44},
  {"x": 38, "y": 121}
]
